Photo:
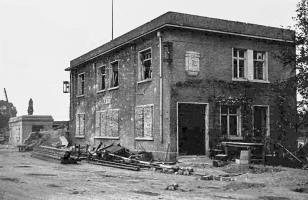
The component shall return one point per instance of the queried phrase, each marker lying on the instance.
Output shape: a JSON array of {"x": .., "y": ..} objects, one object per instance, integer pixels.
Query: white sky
[{"x": 38, "y": 38}]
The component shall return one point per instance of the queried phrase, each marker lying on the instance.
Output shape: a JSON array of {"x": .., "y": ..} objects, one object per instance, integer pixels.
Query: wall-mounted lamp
[{"x": 66, "y": 87}]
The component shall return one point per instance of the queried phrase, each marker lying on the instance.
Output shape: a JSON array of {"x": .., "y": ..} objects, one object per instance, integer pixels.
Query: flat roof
[{"x": 192, "y": 22}]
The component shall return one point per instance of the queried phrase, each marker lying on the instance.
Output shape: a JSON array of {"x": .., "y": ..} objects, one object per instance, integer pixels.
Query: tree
[
  {"x": 7, "y": 110},
  {"x": 30, "y": 107},
  {"x": 301, "y": 30}
]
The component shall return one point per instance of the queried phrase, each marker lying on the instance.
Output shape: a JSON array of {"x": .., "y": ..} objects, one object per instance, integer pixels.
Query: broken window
[
  {"x": 258, "y": 65},
  {"x": 80, "y": 125},
  {"x": 114, "y": 80},
  {"x": 144, "y": 121},
  {"x": 107, "y": 123},
  {"x": 145, "y": 64},
  {"x": 230, "y": 120},
  {"x": 101, "y": 77},
  {"x": 239, "y": 63},
  {"x": 81, "y": 84}
]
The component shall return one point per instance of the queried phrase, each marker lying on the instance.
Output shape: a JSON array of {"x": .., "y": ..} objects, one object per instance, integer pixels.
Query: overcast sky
[{"x": 38, "y": 38}]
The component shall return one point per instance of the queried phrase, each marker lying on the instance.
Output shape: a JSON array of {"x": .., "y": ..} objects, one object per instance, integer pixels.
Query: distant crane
[{"x": 7, "y": 100}]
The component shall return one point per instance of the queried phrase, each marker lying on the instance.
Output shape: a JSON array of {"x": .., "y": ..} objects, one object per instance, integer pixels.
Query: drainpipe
[{"x": 160, "y": 88}]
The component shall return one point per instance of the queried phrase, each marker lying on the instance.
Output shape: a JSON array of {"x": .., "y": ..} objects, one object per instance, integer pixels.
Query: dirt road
[{"x": 24, "y": 177}]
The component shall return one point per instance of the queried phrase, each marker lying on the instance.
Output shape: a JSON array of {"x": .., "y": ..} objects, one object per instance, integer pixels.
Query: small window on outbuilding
[{"x": 145, "y": 64}]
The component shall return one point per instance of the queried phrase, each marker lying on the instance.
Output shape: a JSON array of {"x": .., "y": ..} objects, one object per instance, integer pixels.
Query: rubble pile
[{"x": 51, "y": 138}]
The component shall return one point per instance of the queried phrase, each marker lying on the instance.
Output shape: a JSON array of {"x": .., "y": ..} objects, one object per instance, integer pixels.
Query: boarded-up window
[
  {"x": 80, "y": 125},
  {"x": 107, "y": 123},
  {"x": 144, "y": 121}
]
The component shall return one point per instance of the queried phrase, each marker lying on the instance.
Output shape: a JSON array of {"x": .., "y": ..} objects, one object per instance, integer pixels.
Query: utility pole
[{"x": 111, "y": 19}]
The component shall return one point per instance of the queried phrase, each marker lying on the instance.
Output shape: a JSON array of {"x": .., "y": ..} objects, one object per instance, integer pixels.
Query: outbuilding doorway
[{"x": 191, "y": 128}]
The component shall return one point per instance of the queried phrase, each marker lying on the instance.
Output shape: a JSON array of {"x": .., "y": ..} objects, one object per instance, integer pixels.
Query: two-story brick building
[{"x": 179, "y": 83}]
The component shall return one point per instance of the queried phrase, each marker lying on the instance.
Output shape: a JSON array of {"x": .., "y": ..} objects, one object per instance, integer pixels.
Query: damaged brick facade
[{"x": 116, "y": 93}]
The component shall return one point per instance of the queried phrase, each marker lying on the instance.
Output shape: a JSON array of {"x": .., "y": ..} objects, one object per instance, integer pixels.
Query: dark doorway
[
  {"x": 260, "y": 121},
  {"x": 191, "y": 128}
]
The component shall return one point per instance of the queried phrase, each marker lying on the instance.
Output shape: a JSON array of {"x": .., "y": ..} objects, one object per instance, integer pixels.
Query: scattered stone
[
  {"x": 172, "y": 187},
  {"x": 217, "y": 178}
]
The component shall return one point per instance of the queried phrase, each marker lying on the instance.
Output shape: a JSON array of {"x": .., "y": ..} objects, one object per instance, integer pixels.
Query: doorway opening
[
  {"x": 261, "y": 121},
  {"x": 191, "y": 128}
]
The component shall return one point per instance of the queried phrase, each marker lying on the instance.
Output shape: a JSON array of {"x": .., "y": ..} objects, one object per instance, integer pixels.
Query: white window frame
[
  {"x": 111, "y": 86},
  {"x": 249, "y": 66},
  {"x": 265, "y": 68},
  {"x": 239, "y": 122},
  {"x": 267, "y": 118},
  {"x": 99, "y": 78},
  {"x": 77, "y": 132},
  {"x": 79, "y": 84},
  {"x": 152, "y": 131},
  {"x": 141, "y": 67},
  {"x": 238, "y": 59}
]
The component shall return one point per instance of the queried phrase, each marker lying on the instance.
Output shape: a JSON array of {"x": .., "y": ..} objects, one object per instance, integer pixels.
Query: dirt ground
[{"x": 24, "y": 177}]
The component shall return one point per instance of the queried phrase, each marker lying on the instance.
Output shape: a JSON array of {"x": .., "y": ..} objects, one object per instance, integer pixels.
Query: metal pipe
[{"x": 160, "y": 88}]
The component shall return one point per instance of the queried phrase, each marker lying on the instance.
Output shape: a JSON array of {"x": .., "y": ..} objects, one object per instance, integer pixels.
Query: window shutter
[
  {"x": 103, "y": 118},
  {"x": 78, "y": 85},
  {"x": 77, "y": 131},
  {"x": 265, "y": 71},
  {"x": 108, "y": 121},
  {"x": 148, "y": 121},
  {"x": 139, "y": 121},
  {"x": 98, "y": 123},
  {"x": 250, "y": 64},
  {"x": 114, "y": 123},
  {"x": 82, "y": 124}
]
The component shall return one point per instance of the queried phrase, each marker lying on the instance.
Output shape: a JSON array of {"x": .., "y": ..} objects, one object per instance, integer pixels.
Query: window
[
  {"x": 249, "y": 65},
  {"x": 239, "y": 63},
  {"x": 230, "y": 120},
  {"x": 114, "y": 79},
  {"x": 101, "y": 78},
  {"x": 144, "y": 121},
  {"x": 145, "y": 64},
  {"x": 107, "y": 123},
  {"x": 80, "y": 125},
  {"x": 258, "y": 65},
  {"x": 81, "y": 84}
]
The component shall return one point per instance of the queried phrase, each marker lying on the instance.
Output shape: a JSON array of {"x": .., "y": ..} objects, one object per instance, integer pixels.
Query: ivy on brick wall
[{"x": 243, "y": 93}]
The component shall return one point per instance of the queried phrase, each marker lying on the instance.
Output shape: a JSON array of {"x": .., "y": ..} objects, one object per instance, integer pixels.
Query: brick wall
[{"x": 215, "y": 64}]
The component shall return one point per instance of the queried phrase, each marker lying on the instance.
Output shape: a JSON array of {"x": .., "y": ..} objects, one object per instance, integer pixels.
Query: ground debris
[
  {"x": 243, "y": 185},
  {"x": 146, "y": 193},
  {"x": 15, "y": 180},
  {"x": 172, "y": 187},
  {"x": 250, "y": 169},
  {"x": 217, "y": 178},
  {"x": 273, "y": 198}
]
